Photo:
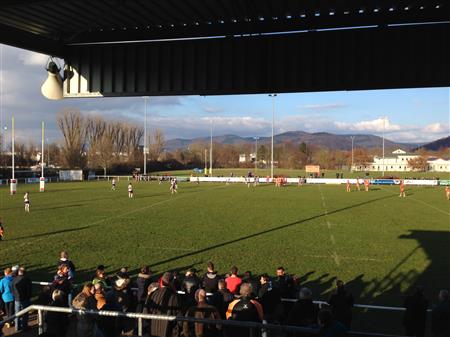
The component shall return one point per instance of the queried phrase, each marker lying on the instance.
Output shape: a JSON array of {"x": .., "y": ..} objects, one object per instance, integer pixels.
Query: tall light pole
[
  {"x": 273, "y": 121},
  {"x": 206, "y": 161},
  {"x": 42, "y": 180},
  {"x": 210, "y": 151},
  {"x": 145, "y": 135},
  {"x": 384, "y": 128},
  {"x": 256, "y": 152},
  {"x": 351, "y": 167},
  {"x": 13, "y": 185},
  {"x": 12, "y": 148}
]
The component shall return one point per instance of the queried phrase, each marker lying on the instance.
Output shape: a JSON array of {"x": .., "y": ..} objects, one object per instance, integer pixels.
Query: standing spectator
[
  {"x": 284, "y": 283},
  {"x": 143, "y": 281},
  {"x": 191, "y": 282},
  {"x": 122, "y": 296},
  {"x": 341, "y": 303},
  {"x": 57, "y": 322},
  {"x": 244, "y": 309},
  {"x": 85, "y": 300},
  {"x": 62, "y": 282},
  {"x": 7, "y": 295},
  {"x": 440, "y": 317},
  {"x": 233, "y": 281},
  {"x": 190, "y": 285},
  {"x": 204, "y": 311},
  {"x": 64, "y": 259},
  {"x": 248, "y": 278},
  {"x": 330, "y": 327},
  {"x": 100, "y": 277},
  {"x": 416, "y": 313},
  {"x": 106, "y": 325},
  {"x": 270, "y": 299},
  {"x": 210, "y": 279},
  {"x": 22, "y": 290},
  {"x": 164, "y": 301},
  {"x": 304, "y": 312},
  {"x": 221, "y": 298}
]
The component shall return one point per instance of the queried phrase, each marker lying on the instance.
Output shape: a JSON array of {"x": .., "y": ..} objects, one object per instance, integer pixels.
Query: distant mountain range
[
  {"x": 322, "y": 139},
  {"x": 437, "y": 144}
]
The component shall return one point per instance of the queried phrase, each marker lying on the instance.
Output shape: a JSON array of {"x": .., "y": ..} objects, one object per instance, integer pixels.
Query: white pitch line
[
  {"x": 332, "y": 239},
  {"x": 334, "y": 254},
  {"x": 423, "y": 202},
  {"x": 345, "y": 258}
]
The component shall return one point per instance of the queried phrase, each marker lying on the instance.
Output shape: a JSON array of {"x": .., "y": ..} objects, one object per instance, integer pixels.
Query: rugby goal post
[{"x": 71, "y": 175}]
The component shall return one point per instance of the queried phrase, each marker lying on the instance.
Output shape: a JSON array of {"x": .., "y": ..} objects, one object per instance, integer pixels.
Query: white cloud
[
  {"x": 376, "y": 125},
  {"x": 33, "y": 59},
  {"x": 437, "y": 128},
  {"x": 212, "y": 109},
  {"x": 328, "y": 106}
]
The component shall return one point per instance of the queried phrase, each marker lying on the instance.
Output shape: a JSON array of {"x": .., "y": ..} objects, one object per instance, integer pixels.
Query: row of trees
[{"x": 92, "y": 142}]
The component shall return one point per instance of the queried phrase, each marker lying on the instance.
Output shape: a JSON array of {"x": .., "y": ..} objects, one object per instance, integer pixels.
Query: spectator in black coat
[
  {"x": 210, "y": 279},
  {"x": 164, "y": 301},
  {"x": 221, "y": 298},
  {"x": 22, "y": 290},
  {"x": 244, "y": 309},
  {"x": 143, "y": 280},
  {"x": 304, "y": 312},
  {"x": 284, "y": 283},
  {"x": 330, "y": 327},
  {"x": 57, "y": 322},
  {"x": 191, "y": 283},
  {"x": 414, "y": 320},
  {"x": 62, "y": 281},
  {"x": 440, "y": 317},
  {"x": 270, "y": 299},
  {"x": 341, "y": 303},
  {"x": 248, "y": 278}
]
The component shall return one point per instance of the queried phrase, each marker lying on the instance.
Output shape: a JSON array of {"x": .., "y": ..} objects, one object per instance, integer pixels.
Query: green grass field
[{"x": 377, "y": 242}]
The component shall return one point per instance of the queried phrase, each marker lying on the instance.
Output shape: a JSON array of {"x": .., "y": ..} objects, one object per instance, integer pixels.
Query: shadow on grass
[
  {"x": 55, "y": 207},
  {"x": 267, "y": 231},
  {"x": 51, "y": 233}
]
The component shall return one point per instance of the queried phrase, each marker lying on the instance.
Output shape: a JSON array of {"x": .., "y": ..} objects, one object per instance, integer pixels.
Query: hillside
[
  {"x": 437, "y": 144},
  {"x": 322, "y": 139}
]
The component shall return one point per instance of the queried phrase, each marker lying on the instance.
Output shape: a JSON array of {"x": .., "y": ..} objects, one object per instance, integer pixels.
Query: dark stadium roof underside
[{"x": 49, "y": 26}]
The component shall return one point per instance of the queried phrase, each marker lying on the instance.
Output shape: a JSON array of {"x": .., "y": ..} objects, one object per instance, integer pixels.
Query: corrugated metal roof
[{"x": 59, "y": 23}]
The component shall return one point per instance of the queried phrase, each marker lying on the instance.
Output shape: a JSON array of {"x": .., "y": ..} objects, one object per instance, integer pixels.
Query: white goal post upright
[{"x": 42, "y": 179}]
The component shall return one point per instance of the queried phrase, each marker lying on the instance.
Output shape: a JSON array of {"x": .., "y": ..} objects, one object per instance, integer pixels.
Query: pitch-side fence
[
  {"x": 319, "y": 303},
  {"x": 255, "y": 329}
]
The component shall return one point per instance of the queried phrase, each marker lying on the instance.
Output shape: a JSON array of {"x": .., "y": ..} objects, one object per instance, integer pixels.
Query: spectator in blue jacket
[{"x": 6, "y": 292}]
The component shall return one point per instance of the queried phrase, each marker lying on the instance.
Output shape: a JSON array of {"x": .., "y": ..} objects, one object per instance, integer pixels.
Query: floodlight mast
[{"x": 273, "y": 120}]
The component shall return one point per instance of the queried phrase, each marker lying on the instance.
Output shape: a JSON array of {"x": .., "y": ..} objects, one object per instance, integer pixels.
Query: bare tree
[
  {"x": 73, "y": 127},
  {"x": 132, "y": 138},
  {"x": 419, "y": 163},
  {"x": 157, "y": 144}
]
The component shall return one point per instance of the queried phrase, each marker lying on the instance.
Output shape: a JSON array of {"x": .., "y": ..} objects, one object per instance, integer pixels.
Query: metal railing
[
  {"x": 265, "y": 328},
  {"x": 292, "y": 300}
]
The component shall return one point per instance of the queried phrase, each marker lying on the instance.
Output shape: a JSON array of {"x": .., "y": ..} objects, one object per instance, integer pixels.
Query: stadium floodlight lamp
[{"x": 52, "y": 88}]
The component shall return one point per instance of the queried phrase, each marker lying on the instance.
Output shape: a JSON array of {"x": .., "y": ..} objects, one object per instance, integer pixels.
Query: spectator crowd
[{"x": 209, "y": 296}]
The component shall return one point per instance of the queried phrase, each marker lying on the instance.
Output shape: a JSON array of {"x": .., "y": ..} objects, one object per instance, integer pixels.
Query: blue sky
[{"x": 413, "y": 115}]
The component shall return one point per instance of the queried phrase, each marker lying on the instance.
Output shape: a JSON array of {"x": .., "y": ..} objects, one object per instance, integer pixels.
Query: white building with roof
[{"x": 398, "y": 161}]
